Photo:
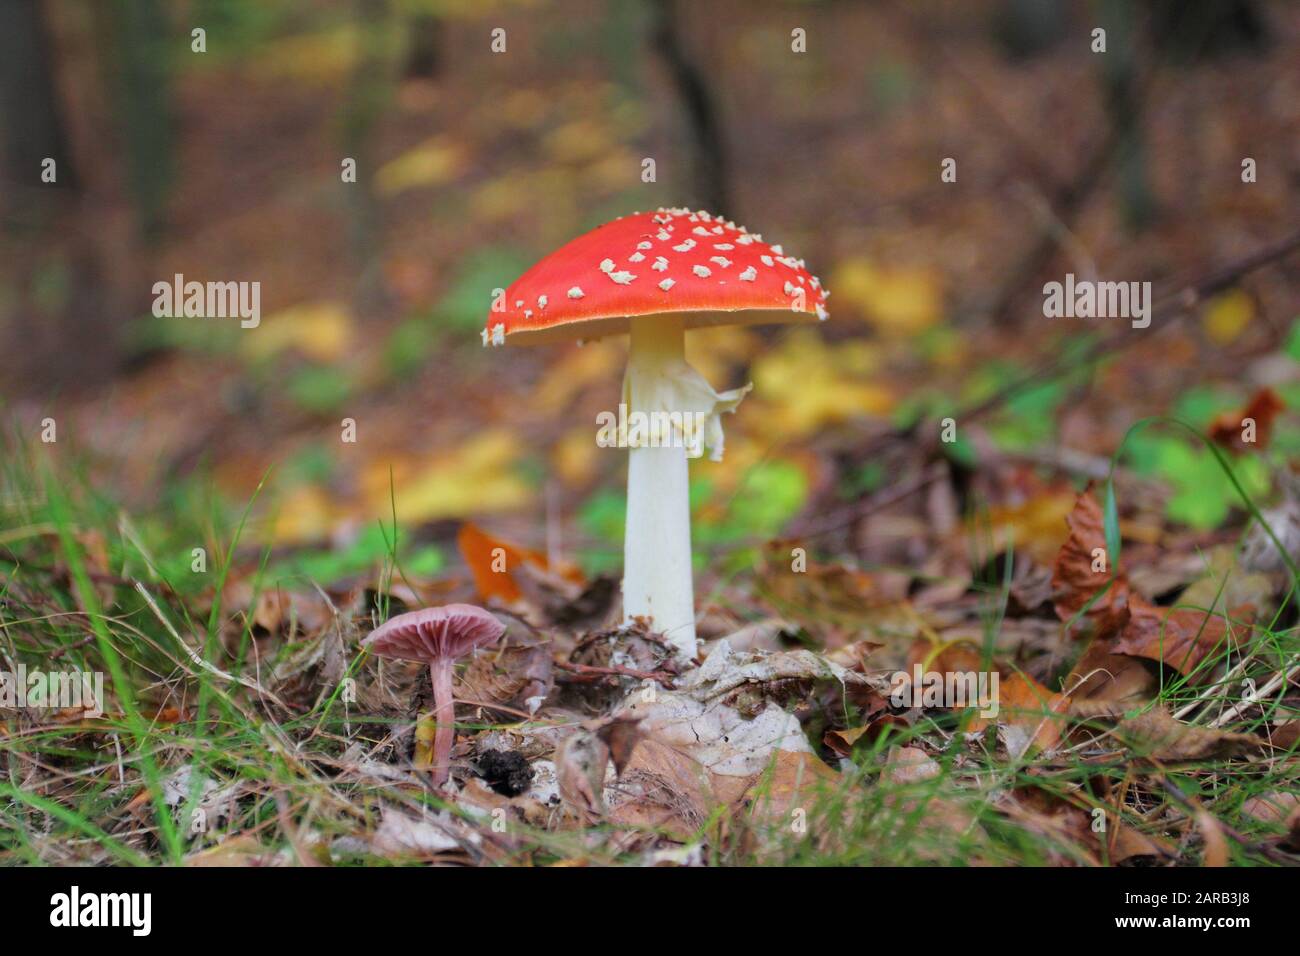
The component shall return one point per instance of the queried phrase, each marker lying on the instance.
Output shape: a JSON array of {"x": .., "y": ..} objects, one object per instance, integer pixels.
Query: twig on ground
[
  {"x": 592, "y": 672},
  {"x": 1276, "y": 681},
  {"x": 1193, "y": 807}
]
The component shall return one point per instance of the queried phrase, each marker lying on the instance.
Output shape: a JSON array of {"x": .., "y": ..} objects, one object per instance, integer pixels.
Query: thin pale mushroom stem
[
  {"x": 444, "y": 715},
  {"x": 657, "y": 538}
]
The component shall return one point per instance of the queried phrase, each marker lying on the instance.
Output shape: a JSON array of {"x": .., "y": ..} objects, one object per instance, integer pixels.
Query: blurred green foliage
[
  {"x": 366, "y": 553},
  {"x": 465, "y": 307},
  {"x": 319, "y": 388}
]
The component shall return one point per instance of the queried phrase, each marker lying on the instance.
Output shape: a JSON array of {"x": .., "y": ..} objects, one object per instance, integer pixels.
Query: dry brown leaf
[
  {"x": 242, "y": 850},
  {"x": 1292, "y": 840},
  {"x": 1026, "y": 704},
  {"x": 401, "y": 834},
  {"x": 722, "y": 739},
  {"x": 580, "y": 766},
  {"x": 1157, "y": 735},
  {"x": 1179, "y": 637},
  {"x": 853, "y": 656},
  {"x": 1262, "y": 409},
  {"x": 1216, "y": 844},
  {"x": 1106, "y": 684},
  {"x": 517, "y": 673},
  {"x": 1124, "y": 843},
  {"x": 910, "y": 765},
  {"x": 1077, "y": 575},
  {"x": 476, "y": 793},
  {"x": 1069, "y": 823},
  {"x": 932, "y": 822},
  {"x": 955, "y": 656},
  {"x": 622, "y": 736},
  {"x": 279, "y": 610},
  {"x": 1032, "y": 524},
  {"x": 664, "y": 789},
  {"x": 1272, "y": 808},
  {"x": 493, "y": 562},
  {"x": 1285, "y": 736},
  {"x": 837, "y": 592},
  {"x": 794, "y": 781},
  {"x": 842, "y": 741},
  {"x": 768, "y": 634}
]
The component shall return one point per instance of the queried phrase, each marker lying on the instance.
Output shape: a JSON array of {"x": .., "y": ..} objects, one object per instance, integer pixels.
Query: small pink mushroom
[{"x": 438, "y": 636}]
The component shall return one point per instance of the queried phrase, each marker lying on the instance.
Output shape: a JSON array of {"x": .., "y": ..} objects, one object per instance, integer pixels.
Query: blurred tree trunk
[
  {"x": 103, "y": 73},
  {"x": 709, "y": 167},
  {"x": 30, "y": 118},
  {"x": 139, "y": 75},
  {"x": 369, "y": 91},
  {"x": 1029, "y": 28},
  {"x": 1189, "y": 30},
  {"x": 1123, "y": 95},
  {"x": 56, "y": 309},
  {"x": 426, "y": 34}
]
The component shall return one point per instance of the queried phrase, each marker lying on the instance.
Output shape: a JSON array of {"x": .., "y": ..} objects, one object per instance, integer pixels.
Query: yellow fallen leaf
[
  {"x": 319, "y": 330},
  {"x": 476, "y": 478},
  {"x": 499, "y": 199},
  {"x": 307, "y": 513},
  {"x": 314, "y": 59},
  {"x": 715, "y": 351},
  {"x": 575, "y": 455},
  {"x": 1226, "y": 316},
  {"x": 596, "y": 364},
  {"x": 523, "y": 109},
  {"x": 433, "y": 162},
  {"x": 896, "y": 300},
  {"x": 580, "y": 140},
  {"x": 610, "y": 170},
  {"x": 1036, "y": 525},
  {"x": 806, "y": 385}
]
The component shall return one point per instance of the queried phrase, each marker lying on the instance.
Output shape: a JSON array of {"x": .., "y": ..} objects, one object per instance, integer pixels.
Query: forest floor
[{"x": 939, "y": 478}]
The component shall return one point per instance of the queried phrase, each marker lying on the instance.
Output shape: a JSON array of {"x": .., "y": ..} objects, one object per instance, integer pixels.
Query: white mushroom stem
[
  {"x": 672, "y": 414},
  {"x": 657, "y": 538}
]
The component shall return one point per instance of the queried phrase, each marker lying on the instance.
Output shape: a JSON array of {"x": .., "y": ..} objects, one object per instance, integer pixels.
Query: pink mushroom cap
[{"x": 432, "y": 633}]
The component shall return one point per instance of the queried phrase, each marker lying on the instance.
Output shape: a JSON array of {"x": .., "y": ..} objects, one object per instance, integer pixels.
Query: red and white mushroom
[{"x": 655, "y": 275}]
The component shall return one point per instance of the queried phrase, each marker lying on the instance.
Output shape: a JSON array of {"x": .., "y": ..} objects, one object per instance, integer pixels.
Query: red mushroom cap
[
  {"x": 435, "y": 632},
  {"x": 650, "y": 263}
]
